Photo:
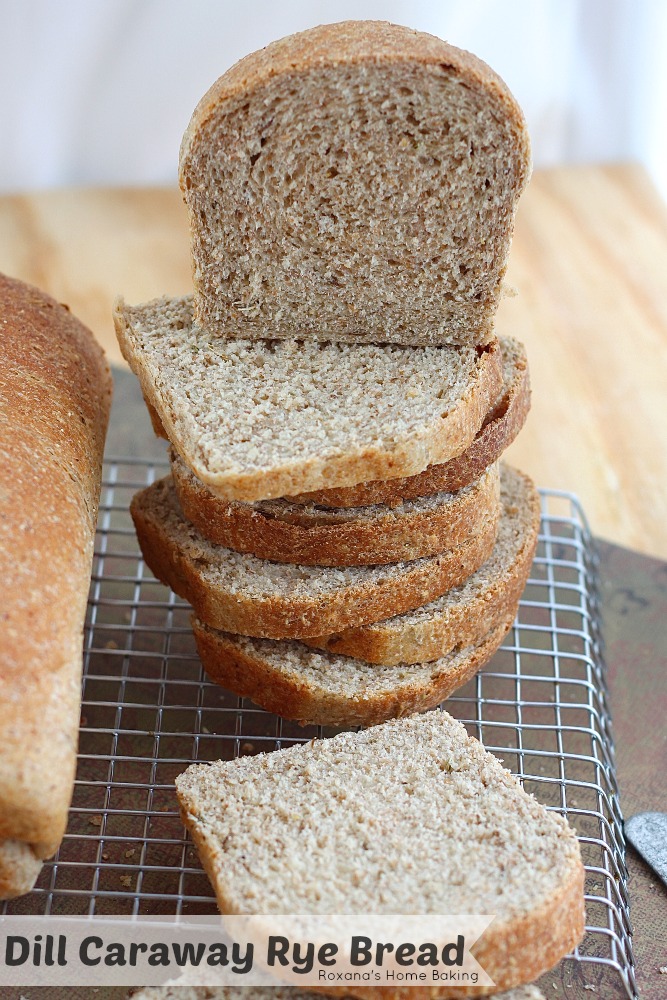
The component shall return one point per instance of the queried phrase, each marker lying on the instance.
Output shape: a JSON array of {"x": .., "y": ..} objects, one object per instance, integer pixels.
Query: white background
[{"x": 98, "y": 92}]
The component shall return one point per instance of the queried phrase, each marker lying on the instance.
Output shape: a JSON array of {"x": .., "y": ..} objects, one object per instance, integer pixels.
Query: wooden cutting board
[{"x": 589, "y": 265}]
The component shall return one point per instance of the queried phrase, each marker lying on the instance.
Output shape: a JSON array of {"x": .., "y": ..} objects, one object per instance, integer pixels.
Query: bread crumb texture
[
  {"x": 412, "y": 816},
  {"x": 354, "y": 182},
  {"x": 252, "y": 419}
]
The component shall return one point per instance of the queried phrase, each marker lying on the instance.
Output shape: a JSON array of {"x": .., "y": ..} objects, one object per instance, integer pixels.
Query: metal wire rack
[{"x": 148, "y": 711}]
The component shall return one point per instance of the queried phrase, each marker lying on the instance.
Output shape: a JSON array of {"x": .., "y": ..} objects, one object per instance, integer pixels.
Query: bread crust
[
  {"x": 56, "y": 389},
  {"x": 347, "y": 43},
  {"x": 463, "y": 623},
  {"x": 298, "y": 534},
  {"x": 501, "y": 426},
  {"x": 292, "y": 697},
  {"x": 449, "y": 436},
  {"x": 290, "y": 614}
]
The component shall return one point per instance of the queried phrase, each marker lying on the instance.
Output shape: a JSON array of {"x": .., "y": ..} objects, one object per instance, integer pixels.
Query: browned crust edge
[
  {"x": 19, "y": 868},
  {"x": 57, "y": 388},
  {"x": 291, "y": 616},
  {"x": 449, "y": 437},
  {"x": 464, "y": 626},
  {"x": 499, "y": 430},
  {"x": 389, "y": 537},
  {"x": 350, "y": 43},
  {"x": 292, "y": 698}
]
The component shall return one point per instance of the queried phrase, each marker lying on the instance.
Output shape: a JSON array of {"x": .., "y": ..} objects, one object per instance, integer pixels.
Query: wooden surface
[{"x": 589, "y": 264}]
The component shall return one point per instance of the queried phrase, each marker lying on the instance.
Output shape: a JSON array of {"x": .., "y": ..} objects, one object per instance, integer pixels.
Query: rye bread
[
  {"x": 464, "y": 614},
  {"x": 296, "y": 682},
  {"x": 238, "y": 592},
  {"x": 354, "y": 182},
  {"x": 501, "y": 425},
  {"x": 362, "y": 536},
  {"x": 55, "y": 393},
  {"x": 411, "y": 816},
  {"x": 261, "y": 419}
]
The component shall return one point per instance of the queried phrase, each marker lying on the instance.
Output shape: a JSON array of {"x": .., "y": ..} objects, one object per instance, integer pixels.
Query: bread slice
[
  {"x": 179, "y": 990},
  {"x": 296, "y": 682},
  {"x": 264, "y": 419},
  {"x": 241, "y": 593},
  {"x": 362, "y": 536},
  {"x": 463, "y": 615},
  {"x": 500, "y": 427},
  {"x": 409, "y": 817},
  {"x": 354, "y": 182}
]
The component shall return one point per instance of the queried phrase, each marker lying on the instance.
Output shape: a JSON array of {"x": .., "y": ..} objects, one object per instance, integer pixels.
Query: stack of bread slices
[{"x": 335, "y": 397}]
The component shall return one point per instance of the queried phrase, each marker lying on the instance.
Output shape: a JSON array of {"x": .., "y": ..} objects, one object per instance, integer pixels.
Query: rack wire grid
[{"x": 148, "y": 711}]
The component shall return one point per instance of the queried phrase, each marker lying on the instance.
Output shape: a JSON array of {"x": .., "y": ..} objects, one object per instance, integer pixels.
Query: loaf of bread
[
  {"x": 412, "y": 816},
  {"x": 361, "y": 536},
  {"x": 56, "y": 392},
  {"x": 354, "y": 182},
  {"x": 261, "y": 419},
  {"x": 239, "y": 592}
]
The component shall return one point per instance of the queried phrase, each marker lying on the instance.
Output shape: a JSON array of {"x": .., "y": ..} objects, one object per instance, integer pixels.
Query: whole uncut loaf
[
  {"x": 409, "y": 817},
  {"x": 238, "y": 592},
  {"x": 362, "y": 536},
  {"x": 354, "y": 182},
  {"x": 260, "y": 419},
  {"x": 501, "y": 425},
  {"x": 55, "y": 392},
  {"x": 464, "y": 614},
  {"x": 318, "y": 688}
]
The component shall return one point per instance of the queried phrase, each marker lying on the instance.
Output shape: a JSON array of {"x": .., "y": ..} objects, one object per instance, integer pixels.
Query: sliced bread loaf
[
  {"x": 501, "y": 425},
  {"x": 296, "y": 682},
  {"x": 409, "y": 817},
  {"x": 241, "y": 593},
  {"x": 464, "y": 614},
  {"x": 359, "y": 536},
  {"x": 269, "y": 418},
  {"x": 354, "y": 182}
]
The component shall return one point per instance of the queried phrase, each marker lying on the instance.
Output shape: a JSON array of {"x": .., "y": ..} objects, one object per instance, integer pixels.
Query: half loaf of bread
[
  {"x": 464, "y": 614},
  {"x": 412, "y": 816},
  {"x": 361, "y": 536},
  {"x": 260, "y": 419},
  {"x": 354, "y": 182},
  {"x": 238, "y": 592},
  {"x": 501, "y": 425}
]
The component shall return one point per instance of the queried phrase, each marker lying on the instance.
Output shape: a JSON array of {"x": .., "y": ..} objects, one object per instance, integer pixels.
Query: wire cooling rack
[{"x": 148, "y": 711}]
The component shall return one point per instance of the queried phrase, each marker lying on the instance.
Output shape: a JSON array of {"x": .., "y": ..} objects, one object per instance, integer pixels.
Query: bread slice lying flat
[
  {"x": 241, "y": 593},
  {"x": 501, "y": 425},
  {"x": 179, "y": 991},
  {"x": 296, "y": 682},
  {"x": 466, "y": 613},
  {"x": 412, "y": 816},
  {"x": 272, "y": 418},
  {"x": 355, "y": 182},
  {"x": 361, "y": 536}
]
